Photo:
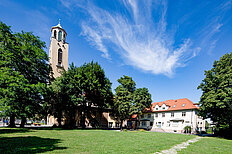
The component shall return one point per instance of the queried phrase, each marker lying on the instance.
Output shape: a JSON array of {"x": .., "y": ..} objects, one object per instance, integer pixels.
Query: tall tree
[
  {"x": 82, "y": 88},
  {"x": 216, "y": 100},
  {"x": 142, "y": 100},
  {"x": 129, "y": 100},
  {"x": 23, "y": 63},
  {"x": 95, "y": 88}
]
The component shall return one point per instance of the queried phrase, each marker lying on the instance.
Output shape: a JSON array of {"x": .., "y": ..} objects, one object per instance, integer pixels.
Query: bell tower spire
[{"x": 58, "y": 50}]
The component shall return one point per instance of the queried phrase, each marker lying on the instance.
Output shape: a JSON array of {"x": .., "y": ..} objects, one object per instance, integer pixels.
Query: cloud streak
[
  {"x": 140, "y": 34},
  {"x": 142, "y": 43}
]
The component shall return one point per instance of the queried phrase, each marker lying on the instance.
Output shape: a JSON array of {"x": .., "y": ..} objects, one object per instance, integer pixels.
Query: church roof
[{"x": 59, "y": 26}]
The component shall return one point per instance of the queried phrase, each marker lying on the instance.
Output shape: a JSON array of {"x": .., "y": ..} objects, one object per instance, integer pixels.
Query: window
[
  {"x": 168, "y": 124},
  {"x": 162, "y": 123},
  {"x": 59, "y": 57},
  {"x": 143, "y": 123},
  {"x": 183, "y": 105},
  {"x": 59, "y": 36},
  {"x": 151, "y": 123},
  {"x": 116, "y": 124},
  {"x": 157, "y": 108},
  {"x": 149, "y": 116},
  {"x": 174, "y": 106},
  {"x": 172, "y": 114},
  {"x": 163, "y": 108},
  {"x": 64, "y": 38},
  {"x": 55, "y": 34},
  {"x": 186, "y": 121},
  {"x": 142, "y": 116},
  {"x": 110, "y": 124},
  {"x": 183, "y": 114},
  {"x": 163, "y": 114},
  {"x": 156, "y": 115}
]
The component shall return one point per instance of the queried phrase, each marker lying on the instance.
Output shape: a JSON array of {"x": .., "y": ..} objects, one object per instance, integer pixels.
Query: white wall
[{"x": 172, "y": 124}]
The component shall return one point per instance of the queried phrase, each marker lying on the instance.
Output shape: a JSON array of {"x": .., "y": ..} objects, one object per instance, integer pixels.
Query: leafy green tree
[
  {"x": 57, "y": 99},
  {"x": 23, "y": 64},
  {"x": 129, "y": 100},
  {"x": 95, "y": 89},
  {"x": 216, "y": 100},
  {"x": 142, "y": 100},
  {"x": 81, "y": 88}
]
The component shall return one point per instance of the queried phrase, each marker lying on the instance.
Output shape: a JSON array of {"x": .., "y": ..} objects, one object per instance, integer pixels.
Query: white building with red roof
[{"x": 172, "y": 116}]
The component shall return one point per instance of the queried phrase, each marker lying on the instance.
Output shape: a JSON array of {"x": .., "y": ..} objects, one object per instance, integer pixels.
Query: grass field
[
  {"x": 102, "y": 141},
  {"x": 85, "y": 141},
  {"x": 209, "y": 145}
]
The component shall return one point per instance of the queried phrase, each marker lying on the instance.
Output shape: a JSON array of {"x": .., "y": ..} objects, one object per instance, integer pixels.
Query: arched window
[
  {"x": 59, "y": 57},
  {"x": 55, "y": 34},
  {"x": 59, "y": 36},
  {"x": 64, "y": 38}
]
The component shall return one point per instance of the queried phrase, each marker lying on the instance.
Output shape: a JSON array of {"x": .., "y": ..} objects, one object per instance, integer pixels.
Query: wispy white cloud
[
  {"x": 143, "y": 43},
  {"x": 208, "y": 41},
  {"x": 141, "y": 35},
  {"x": 209, "y": 32}
]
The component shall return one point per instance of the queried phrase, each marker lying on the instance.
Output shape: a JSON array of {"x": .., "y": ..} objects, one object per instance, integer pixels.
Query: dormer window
[
  {"x": 183, "y": 105},
  {"x": 174, "y": 106},
  {"x": 55, "y": 34},
  {"x": 59, "y": 36},
  {"x": 163, "y": 108}
]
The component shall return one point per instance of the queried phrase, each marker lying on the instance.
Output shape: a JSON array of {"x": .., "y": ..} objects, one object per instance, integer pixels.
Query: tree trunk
[
  {"x": 23, "y": 121},
  {"x": 12, "y": 121},
  {"x": 83, "y": 120},
  {"x": 59, "y": 119},
  {"x": 121, "y": 125}
]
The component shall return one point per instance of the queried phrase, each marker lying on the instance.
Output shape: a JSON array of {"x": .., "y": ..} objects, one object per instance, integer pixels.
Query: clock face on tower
[{"x": 58, "y": 50}]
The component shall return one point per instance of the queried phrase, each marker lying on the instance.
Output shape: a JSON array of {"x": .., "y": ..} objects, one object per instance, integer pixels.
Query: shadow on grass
[
  {"x": 30, "y": 144},
  {"x": 13, "y": 130}
]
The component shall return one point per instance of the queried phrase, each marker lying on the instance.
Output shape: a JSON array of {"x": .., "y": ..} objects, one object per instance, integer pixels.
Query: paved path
[{"x": 178, "y": 147}]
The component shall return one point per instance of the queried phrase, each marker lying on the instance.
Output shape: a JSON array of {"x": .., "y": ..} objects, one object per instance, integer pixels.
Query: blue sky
[{"x": 163, "y": 45}]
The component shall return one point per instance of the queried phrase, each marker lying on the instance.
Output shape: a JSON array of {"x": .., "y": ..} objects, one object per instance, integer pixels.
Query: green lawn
[
  {"x": 85, "y": 141},
  {"x": 209, "y": 145}
]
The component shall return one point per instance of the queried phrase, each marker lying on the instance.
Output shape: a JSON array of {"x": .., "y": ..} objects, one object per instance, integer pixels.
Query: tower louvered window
[
  {"x": 64, "y": 38},
  {"x": 59, "y": 36},
  {"x": 55, "y": 34},
  {"x": 59, "y": 57}
]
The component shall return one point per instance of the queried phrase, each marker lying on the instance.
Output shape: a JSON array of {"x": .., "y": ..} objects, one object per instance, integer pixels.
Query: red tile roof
[
  {"x": 134, "y": 116},
  {"x": 175, "y": 105}
]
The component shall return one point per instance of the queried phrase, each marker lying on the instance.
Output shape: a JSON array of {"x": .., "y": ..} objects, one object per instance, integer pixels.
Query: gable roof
[{"x": 175, "y": 105}]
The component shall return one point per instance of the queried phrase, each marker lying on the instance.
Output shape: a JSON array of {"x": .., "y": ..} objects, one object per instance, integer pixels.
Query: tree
[
  {"x": 81, "y": 88},
  {"x": 142, "y": 100},
  {"x": 25, "y": 73},
  {"x": 129, "y": 100},
  {"x": 216, "y": 100}
]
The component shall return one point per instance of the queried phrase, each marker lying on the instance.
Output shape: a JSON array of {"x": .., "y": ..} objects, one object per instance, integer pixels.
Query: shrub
[{"x": 187, "y": 129}]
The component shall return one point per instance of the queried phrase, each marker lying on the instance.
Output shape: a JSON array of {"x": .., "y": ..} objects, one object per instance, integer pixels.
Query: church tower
[{"x": 58, "y": 50}]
